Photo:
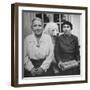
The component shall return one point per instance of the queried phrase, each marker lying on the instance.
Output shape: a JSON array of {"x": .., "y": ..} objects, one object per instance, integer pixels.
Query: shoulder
[
  {"x": 28, "y": 38},
  {"x": 60, "y": 36},
  {"x": 46, "y": 36},
  {"x": 74, "y": 37}
]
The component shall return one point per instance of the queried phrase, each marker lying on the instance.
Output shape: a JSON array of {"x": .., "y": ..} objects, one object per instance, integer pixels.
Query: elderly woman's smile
[{"x": 37, "y": 27}]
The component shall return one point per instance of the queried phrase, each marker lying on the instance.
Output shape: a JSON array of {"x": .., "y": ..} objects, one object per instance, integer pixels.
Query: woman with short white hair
[{"x": 38, "y": 51}]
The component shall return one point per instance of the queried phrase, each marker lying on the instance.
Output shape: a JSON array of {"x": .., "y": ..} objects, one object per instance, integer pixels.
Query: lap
[
  {"x": 72, "y": 71},
  {"x": 49, "y": 72}
]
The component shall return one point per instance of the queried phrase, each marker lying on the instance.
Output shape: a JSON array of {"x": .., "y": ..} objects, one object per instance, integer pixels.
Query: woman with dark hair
[{"x": 67, "y": 52}]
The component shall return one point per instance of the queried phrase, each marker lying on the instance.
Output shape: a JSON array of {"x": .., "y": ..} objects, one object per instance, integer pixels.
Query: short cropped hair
[{"x": 67, "y": 23}]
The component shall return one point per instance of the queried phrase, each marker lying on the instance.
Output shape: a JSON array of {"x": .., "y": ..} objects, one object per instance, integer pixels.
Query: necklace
[
  {"x": 38, "y": 41},
  {"x": 38, "y": 44}
]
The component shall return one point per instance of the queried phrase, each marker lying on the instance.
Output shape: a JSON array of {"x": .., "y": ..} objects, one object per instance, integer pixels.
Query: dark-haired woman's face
[{"x": 66, "y": 29}]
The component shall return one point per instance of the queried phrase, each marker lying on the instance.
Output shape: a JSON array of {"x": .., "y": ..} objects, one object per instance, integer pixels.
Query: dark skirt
[
  {"x": 71, "y": 71},
  {"x": 37, "y": 64}
]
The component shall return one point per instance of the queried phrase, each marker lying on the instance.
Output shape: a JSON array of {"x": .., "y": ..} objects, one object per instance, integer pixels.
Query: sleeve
[
  {"x": 27, "y": 63},
  {"x": 46, "y": 64},
  {"x": 77, "y": 52},
  {"x": 57, "y": 52}
]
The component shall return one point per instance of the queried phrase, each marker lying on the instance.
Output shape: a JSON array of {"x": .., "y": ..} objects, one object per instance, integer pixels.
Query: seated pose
[
  {"x": 67, "y": 52},
  {"x": 38, "y": 51}
]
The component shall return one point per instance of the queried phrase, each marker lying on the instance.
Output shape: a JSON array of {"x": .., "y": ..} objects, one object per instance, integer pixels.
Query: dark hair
[{"x": 68, "y": 23}]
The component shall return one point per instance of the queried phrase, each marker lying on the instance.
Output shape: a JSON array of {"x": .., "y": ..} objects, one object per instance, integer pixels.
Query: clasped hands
[{"x": 37, "y": 71}]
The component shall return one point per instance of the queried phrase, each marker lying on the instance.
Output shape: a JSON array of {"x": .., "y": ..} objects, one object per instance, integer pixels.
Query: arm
[
  {"x": 27, "y": 63},
  {"x": 77, "y": 52},
  {"x": 57, "y": 51},
  {"x": 46, "y": 64}
]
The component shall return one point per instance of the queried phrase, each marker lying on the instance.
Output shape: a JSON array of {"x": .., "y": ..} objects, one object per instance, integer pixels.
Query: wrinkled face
[
  {"x": 37, "y": 27},
  {"x": 66, "y": 29}
]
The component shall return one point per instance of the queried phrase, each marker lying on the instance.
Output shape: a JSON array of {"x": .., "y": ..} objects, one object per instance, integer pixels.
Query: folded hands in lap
[{"x": 37, "y": 71}]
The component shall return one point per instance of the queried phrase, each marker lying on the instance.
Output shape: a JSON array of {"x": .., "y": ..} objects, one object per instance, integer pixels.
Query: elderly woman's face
[
  {"x": 67, "y": 29},
  {"x": 37, "y": 27}
]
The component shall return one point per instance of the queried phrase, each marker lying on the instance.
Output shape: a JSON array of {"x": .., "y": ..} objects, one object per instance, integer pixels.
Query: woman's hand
[
  {"x": 33, "y": 72},
  {"x": 60, "y": 65},
  {"x": 40, "y": 71},
  {"x": 68, "y": 65},
  {"x": 37, "y": 71}
]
